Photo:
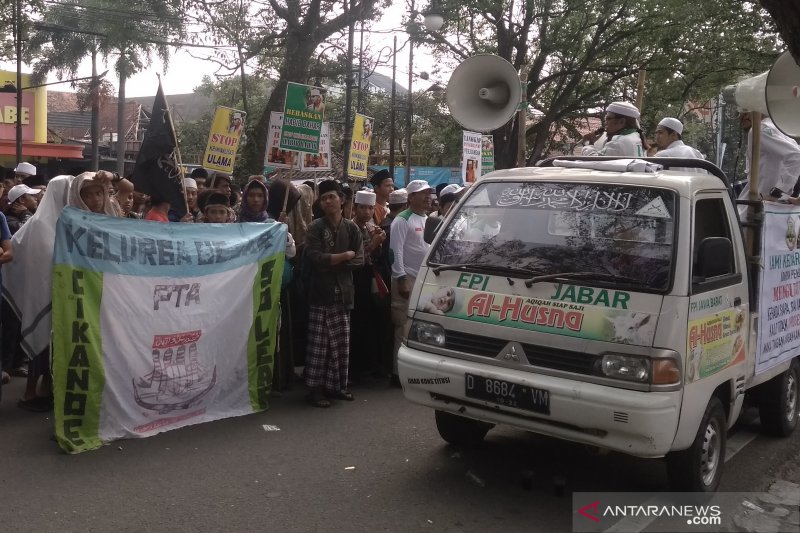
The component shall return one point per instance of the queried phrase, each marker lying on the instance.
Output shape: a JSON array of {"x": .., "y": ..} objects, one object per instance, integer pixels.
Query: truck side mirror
[
  {"x": 431, "y": 227},
  {"x": 714, "y": 258}
]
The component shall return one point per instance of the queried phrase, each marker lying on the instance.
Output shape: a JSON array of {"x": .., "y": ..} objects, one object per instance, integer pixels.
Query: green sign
[
  {"x": 487, "y": 154},
  {"x": 302, "y": 118}
]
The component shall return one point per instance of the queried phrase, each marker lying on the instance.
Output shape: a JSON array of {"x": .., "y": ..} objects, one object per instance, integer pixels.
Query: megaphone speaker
[
  {"x": 483, "y": 93},
  {"x": 783, "y": 95},
  {"x": 775, "y": 93}
]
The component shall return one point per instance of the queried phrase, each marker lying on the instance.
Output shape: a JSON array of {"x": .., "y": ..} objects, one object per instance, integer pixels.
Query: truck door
[{"x": 719, "y": 301}]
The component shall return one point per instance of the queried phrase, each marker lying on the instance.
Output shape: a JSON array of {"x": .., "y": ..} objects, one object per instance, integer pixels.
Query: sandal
[
  {"x": 20, "y": 372},
  {"x": 345, "y": 395},
  {"x": 317, "y": 399},
  {"x": 5, "y": 378},
  {"x": 38, "y": 404}
]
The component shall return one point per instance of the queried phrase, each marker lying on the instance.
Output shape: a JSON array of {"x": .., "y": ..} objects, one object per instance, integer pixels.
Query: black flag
[{"x": 157, "y": 172}]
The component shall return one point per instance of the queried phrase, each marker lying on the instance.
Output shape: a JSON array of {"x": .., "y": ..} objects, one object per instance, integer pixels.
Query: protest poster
[
  {"x": 471, "y": 159},
  {"x": 487, "y": 154},
  {"x": 303, "y": 114},
  {"x": 223, "y": 139},
  {"x": 276, "y": 157},
  {"x": 322, "y": 160},
  {"x": 779, "y": 319},
  {"x": 143, "y": 337},
  {"x": 359, "y": 147}
]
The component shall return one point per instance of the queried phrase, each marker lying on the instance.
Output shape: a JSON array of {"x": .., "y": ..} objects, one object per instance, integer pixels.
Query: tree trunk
[
  {"x": 295, "y": 69},
  {"x": 121, "y": 124},
  {"x": 95, "y": 114},
  {"x": 787, "y": 19}
]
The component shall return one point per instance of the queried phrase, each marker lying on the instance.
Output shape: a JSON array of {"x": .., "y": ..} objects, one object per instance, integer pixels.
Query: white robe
[
  {"x": 779, "y": 161},
  {"x": 628, "y": 145},
  {"x": 27, "y": 280},
  {"x": 679, "y": 149}
]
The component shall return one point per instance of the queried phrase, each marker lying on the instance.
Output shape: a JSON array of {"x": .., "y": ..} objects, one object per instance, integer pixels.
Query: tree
[
  {"x": 585, "y": 54},
  {"x": 230, "y": 92},
  {"x": 284, "y": 39},
  {"x": 132, "y": 33},
  {"x": 786, "y": 16}
]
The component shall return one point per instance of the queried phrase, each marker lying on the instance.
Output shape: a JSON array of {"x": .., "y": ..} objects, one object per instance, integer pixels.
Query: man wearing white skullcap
[
  {"x": 366, "y": 351},
  {"x": 623, "y": 137},
  {"x": 670, "y": 144}
]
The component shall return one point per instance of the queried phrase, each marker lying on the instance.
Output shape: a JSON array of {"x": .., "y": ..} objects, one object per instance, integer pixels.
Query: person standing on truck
[
  {"x": 779, "y": 164},
  {"x": 623, "y": 136},
  {"x": 408, "y": 248},
  {"x": 670, "y": 143}
]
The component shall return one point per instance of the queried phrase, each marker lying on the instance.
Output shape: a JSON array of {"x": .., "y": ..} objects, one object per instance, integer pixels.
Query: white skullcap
[
  {"x": 453, "y": 188},
  {"x": 624, "y": 109},
  {"x": 365, "y": 198},
  {"x": 398, "y": 196},
  {"x": 672, "y": 123},
  {"x": 189, "y": 183},
  {"x": 25, "y": 168}
]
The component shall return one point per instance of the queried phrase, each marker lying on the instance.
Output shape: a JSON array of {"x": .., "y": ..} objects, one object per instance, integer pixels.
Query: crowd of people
[{"x": 352, "y": 256}]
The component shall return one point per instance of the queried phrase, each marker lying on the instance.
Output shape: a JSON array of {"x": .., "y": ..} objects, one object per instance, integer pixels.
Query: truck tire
[
  {"x": 699, "y": 468},
  {"x": 459, "y": 430},
  {"x": 778, "y": 406}
]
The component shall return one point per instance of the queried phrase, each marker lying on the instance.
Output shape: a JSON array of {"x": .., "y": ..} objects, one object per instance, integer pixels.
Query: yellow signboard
[
  {"x": 359, "y": 147},
  {"x": 223, "y": 139}
]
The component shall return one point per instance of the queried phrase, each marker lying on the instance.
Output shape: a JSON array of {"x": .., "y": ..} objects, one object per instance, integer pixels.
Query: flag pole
[{"x": 177, "y": 148}]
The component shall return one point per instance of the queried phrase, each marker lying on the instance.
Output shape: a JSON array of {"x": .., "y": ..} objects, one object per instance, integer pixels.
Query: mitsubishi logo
[{"x": 513, "y": 352}]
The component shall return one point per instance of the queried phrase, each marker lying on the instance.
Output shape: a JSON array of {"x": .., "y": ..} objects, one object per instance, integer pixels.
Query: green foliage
[{"x": 584, "y": 54}]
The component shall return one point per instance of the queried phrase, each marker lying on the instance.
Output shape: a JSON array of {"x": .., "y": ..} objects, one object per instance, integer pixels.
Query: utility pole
[
  {"x": 348, "y": 117},
  {"x": 393, "y": 114},
  {"x": 18, "y": 45},
  {"x": 410, "y": 110}
]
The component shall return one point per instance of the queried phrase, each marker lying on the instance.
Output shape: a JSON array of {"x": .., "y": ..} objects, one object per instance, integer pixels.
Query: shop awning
[{"x": 32, "y": 149}]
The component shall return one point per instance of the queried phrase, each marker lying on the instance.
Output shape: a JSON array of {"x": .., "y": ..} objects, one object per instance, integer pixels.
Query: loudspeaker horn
[
  {"x": 775, "y": 93},
  {"x": 483, "y": 93}
]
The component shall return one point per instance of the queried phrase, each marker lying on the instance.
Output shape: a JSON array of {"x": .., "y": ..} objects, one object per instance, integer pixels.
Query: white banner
[
  {"x": 471, "y": 160},
  {"x": 779, "y": 304},
  {"x": 275, "y": 156}
]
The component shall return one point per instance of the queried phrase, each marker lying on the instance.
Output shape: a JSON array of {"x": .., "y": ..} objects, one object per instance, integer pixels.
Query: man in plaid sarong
[{"x": 334, "y": 248}]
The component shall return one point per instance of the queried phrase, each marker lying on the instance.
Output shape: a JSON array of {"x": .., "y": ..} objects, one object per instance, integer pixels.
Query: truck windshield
[{"x": 548, "y": 228}]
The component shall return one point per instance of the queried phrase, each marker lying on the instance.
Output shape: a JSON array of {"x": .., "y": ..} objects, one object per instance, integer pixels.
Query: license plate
[{"x": 507, "y": 394}]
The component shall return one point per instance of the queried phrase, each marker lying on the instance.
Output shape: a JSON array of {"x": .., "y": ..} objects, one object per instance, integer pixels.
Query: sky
[{"x": 185, "y": 72}]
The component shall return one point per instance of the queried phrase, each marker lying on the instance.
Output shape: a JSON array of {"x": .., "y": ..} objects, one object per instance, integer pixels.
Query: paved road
[{"x": 232, "y": 475}]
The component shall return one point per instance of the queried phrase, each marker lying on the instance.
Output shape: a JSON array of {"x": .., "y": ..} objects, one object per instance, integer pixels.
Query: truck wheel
[
  {"x": 779, "y": 403},
  {"x": 461, "y": 431},
  {"x": 699, "y": 468}
]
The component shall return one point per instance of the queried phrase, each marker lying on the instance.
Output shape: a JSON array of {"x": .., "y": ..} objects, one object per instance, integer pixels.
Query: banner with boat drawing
[{"x": 159, "y": 326}]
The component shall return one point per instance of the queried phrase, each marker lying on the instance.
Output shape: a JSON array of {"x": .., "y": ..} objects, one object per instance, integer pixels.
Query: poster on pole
[
  {"x": 139, "y": 343},
  {"x": 359, "y": 147},
  {"x": 275, "y": 156},
  {"x": 322, "y": 160},
  {"x": 471, "y": 159},
  {"x": 487, "y": 154},
  {"x": 303, "y": 113},
  {"x": 779, "y": 319},
  {"x": 223, "y": 139}
]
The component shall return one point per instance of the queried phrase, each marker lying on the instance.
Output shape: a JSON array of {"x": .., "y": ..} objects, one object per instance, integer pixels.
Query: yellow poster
[
  {"x": 714, "y": 343},
  {"x": 223, "y": 139},
  {"x": 359, "y": 147}
]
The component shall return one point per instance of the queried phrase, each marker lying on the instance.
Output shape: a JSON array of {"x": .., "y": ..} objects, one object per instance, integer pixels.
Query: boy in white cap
[
  {"x": 21, "y": 206},
  {"x": 23, "y": 171},
  {"x": 408, "y": 248},
  {"x": 190, "y": 189},
  {"x": 670, "y": 143},
  {"x": 623, "y": 137}
]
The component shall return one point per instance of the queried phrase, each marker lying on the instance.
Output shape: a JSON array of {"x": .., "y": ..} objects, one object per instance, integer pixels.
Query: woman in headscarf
[
  {"x": 27, "y": 283},
  {"x": 90, "y": 192},
  {"x": 255, "y": 201}
]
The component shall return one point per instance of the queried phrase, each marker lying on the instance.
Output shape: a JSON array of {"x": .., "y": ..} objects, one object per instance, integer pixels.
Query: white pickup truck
[{"x": 613, "y": 308}]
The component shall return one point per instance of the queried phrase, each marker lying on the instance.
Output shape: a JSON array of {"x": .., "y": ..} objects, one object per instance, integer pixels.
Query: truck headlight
[
  {"x": 426, "y": 333},
  {"x": 625, "y": 367}
]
